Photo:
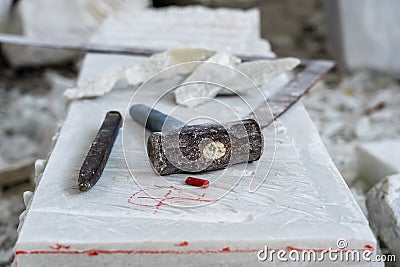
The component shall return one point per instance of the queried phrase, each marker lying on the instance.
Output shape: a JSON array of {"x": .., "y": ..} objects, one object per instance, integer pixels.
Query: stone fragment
[
  {"x": 262, "y": 72},
  {"x": 138, "y": 73},
  {"x": 39, "y": 166},
  {"x": 240, "y": 80},
  {"x": 378, "y": 159},
  {"x": 383, "y": 203},
  {"x": 203, "y": 82},
  {"x": 170, "y": 28},
  {"x": 27, "y": 196}
]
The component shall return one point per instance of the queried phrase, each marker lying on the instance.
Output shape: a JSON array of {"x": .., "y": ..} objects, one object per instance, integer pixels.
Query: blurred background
[{"x": 355, "y": 108}]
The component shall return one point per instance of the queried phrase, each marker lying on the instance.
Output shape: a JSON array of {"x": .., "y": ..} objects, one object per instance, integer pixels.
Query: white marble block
[
  {"x": 365, "y": 34},
  {"x": 64, "y": 21},
  {"x": 378, "y": 159}
]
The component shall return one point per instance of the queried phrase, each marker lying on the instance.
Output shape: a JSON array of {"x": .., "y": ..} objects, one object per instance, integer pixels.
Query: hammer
[{"x": 175, "y": 147}]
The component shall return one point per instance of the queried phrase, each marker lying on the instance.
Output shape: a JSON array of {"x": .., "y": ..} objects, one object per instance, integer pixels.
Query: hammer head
[{"x": 205, "y": 147}]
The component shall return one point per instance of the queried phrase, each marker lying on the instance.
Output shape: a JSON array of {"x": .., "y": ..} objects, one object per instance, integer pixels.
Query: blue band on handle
[{"x": 153, "y": 119}]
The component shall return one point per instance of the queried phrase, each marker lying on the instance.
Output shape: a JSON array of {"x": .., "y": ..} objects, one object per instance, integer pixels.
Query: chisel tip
[{"x": 83, "y": 186}]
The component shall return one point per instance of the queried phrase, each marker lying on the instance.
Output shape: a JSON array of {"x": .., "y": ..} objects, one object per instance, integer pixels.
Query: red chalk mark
[
  {"x": 148, "y": 197},
  {"x": 182, "y": 244},
  {"x": 197, "y": 182},
  {"x": 369, "y": 247},
  {"x": 226, "y": 249},
  {"x": 59, "y": 247},
  {"x": 161, "y": 202}
]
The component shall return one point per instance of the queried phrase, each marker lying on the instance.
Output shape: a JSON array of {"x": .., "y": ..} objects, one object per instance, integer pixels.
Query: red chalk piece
[{"x": 197, "y": 182}]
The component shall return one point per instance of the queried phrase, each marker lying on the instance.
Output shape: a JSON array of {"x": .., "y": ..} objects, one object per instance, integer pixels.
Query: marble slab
[{"x": 132, "y": 217}]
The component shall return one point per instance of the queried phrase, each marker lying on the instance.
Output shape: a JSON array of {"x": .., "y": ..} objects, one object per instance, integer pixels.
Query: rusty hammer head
[{"x": 202, "y": 147}]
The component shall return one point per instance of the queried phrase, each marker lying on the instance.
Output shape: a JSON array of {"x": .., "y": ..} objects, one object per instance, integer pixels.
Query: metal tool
[
  {"x": 208, "y": 147},
  {"x": 99, "y": 151},
  {"x": 196, "y": 148},
  {"x": 205, "y": 147},
  {"x": 286, "y": 97},
  {"x": 158, "y": 121}
]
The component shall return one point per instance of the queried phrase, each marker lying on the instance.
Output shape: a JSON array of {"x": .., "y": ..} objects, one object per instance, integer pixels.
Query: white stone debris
[
  {"x": 10, "y": 207},
  {"x": 27, "y": 196},
  {"x": 23, "y": 127},
  {"x": 248, "y": 76},
  {"x": 169, "y": 28},
  {"x": 259, "y": 72},
  {"x": 40, "y": 164},
  {"x": 77, "y": 22},
  {"x": 363, "y": 107},
  {"x": 199, "y": 89},
  {"x": 262, "y": 72},
  {"x": 29, "y": 120},
  {"x": 383, "y": 203},
  {"x": 378, "y": 159},
  {"x": 138, "y": 73},
  {"x": 97, "y": 86},
  {"x": 58, "y": 84}
]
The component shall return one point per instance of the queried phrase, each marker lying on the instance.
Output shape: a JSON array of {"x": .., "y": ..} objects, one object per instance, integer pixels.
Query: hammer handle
[{"x": 153, "y": 119}]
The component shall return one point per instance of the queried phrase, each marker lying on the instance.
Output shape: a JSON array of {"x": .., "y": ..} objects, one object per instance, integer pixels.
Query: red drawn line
[
  {"x": 179, "y": 198},
  {"x": 160, "y": 201},
  {"x": 95, "y": 252}
]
